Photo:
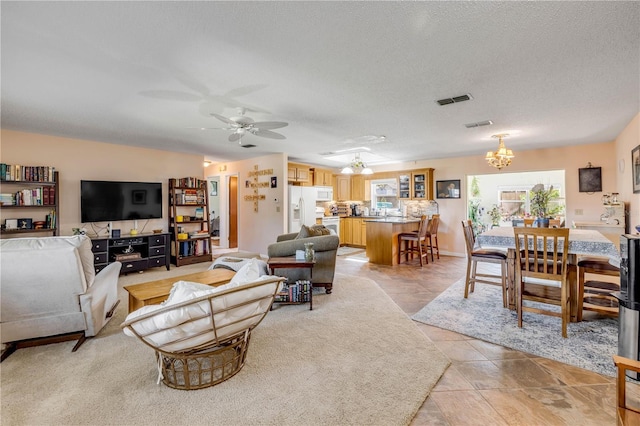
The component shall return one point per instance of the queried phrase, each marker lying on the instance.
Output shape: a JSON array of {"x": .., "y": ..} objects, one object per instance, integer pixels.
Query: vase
[
  {"x": 309, "y": 253},
  {"x": 542, "y": 222}
]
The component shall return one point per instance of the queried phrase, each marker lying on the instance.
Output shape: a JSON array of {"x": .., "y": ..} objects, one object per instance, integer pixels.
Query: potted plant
[
  {"x": 540, "y": 207},
  {"x": 496, "y": 215}
]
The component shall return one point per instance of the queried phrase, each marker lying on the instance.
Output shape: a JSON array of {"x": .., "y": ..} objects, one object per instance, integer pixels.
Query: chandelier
[
  {"x": 502, "y": 157},
  {"x": 357, "y": 166}
]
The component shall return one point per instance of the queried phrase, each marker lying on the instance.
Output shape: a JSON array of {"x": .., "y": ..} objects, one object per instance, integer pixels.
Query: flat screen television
[{"x": 103, "y": 201}]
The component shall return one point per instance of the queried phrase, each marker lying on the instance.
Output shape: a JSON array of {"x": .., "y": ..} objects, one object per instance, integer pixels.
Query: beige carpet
[{"x": 355, "y": 359}]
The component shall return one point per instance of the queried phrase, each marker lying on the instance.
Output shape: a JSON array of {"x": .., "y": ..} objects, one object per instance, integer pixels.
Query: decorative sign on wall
[{"x": 256, "y": 185}]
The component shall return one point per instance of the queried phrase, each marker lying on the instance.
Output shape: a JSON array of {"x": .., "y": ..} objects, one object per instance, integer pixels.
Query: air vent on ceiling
[
  {"x": 455, "y": 99},
  {"x": 249, "y": 145},
  {"x": 478, "y": 124}
]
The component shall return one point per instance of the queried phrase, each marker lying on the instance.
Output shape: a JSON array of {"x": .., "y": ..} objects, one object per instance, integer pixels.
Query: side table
[{"x": 291, "y": 262}]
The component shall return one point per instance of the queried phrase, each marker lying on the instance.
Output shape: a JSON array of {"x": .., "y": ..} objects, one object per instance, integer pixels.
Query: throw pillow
[
  {"x": 304, "y": 232},
  {"x": 313, "y": 231}
]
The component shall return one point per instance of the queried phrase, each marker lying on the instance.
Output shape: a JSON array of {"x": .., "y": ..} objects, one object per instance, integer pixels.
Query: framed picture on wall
[
  {"x": 448, "y": 188},
  {"x": 590, "y": 179},
  {"x": 635, "y": 168},
  {"x": 214, "y": 188}
]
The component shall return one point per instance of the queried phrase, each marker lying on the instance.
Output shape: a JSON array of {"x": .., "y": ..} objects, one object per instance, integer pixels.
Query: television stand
[{"x": 135, "y": 252}]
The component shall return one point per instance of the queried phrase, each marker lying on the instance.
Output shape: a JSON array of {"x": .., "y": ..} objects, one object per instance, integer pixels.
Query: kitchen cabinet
[
  {"x": 356, "y": 232},
  {"x": 357, "y": 188},
  {"x": 422, "y": 184},
  {"x": 345, "y": 231},
  {"x": 322, "y": 177},
  {"x": 342, "y": 190},
  {"x": 404, "y": 186},
  {"x": 353, "y": 231},
  {"x": 299, "y": 173}
]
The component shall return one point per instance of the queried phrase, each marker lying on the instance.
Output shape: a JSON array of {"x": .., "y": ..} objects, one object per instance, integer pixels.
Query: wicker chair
[{"x": 204, "y": 341}]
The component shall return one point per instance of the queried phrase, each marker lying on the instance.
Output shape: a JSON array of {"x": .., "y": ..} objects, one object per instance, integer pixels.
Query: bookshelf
[
  {"x": 189, "y": 221},
  {"x": 29, "y": 200}
]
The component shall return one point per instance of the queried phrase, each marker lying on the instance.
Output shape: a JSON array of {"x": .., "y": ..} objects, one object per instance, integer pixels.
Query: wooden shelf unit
[
  {"x": 14, "y": 211},
  {"x": 185, "y": 197}
]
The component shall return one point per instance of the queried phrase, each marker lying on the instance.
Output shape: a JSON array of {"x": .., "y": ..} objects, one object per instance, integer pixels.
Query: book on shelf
[
  {"x": 17, "y": 172},
  {"x": 199, "y": 213},
  {"x": 298, "y": 292},
  {"x": 188, "y": 182}
]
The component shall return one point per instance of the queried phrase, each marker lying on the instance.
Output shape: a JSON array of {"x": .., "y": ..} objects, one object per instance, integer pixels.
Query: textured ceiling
[{"x": 342, "y": 74}]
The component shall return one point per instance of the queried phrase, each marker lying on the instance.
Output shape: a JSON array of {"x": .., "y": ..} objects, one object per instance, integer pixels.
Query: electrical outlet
[{"x": 579, "y": 212}]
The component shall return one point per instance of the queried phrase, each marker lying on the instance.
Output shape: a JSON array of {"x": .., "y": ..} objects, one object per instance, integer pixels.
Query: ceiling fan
[{"x": 242, "y": 125}]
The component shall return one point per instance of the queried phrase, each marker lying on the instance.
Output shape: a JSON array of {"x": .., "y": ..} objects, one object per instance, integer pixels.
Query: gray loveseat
[{"x": 326, "y": 249}]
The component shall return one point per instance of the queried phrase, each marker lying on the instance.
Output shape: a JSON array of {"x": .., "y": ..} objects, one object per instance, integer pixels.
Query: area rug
[
  {"x": 355, "y": 359},
  {"x": 348, "y": 251},
  {"x": 589, "y": 345}
]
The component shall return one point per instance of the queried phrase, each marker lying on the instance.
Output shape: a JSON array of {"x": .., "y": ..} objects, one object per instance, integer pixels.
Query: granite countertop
[{"x": 391, "y": 219}]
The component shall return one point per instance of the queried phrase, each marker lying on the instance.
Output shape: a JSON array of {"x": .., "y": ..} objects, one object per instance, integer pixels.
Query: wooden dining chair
[
  {"x": 477, "y": 254},
  {"x": 626, "y": 414},
  {"x": 541, "y": 271},
  {"x": 595, "y": 294},
  {"x": 432, "y": 236},
  {"x": 414, "y": 242},
  {"x": 555, "y": 223}
]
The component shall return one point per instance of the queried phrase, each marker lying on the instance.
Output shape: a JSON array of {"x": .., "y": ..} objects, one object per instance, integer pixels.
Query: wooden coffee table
[{"x": 154, "y": 292}]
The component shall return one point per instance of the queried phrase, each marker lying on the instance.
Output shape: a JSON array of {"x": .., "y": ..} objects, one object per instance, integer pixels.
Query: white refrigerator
[{"x": 302, "y": 207}]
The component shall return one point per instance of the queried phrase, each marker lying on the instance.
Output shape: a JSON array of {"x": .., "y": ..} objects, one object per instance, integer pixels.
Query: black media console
[{"x": 136, "y": 253}]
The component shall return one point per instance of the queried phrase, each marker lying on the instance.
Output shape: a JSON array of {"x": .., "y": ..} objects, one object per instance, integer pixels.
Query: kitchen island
[{"x": 382, "y": 237}]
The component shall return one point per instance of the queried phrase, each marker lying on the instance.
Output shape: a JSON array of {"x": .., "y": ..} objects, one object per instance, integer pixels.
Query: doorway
[
  {"x": 233, "y": 212},
  {"x": 214, "y": 209},
  {"x": 507, "y": 195}
]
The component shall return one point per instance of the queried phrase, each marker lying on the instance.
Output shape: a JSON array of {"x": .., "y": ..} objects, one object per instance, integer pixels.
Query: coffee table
[
  {"x": 154, "y": 292},
  {"x": 291, "y": 262}
]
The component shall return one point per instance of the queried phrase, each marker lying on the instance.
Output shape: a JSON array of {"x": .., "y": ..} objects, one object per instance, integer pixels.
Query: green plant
[
  {"x": 495, "y": 214},
  {"x": 540, "y": 199}
]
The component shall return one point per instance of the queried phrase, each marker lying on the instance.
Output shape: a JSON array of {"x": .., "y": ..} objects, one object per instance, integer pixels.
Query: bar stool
[
  {"x": 432, "y": 235},
  {"x": 595, "y": 295},
  {"x": 410, "y": 239}
]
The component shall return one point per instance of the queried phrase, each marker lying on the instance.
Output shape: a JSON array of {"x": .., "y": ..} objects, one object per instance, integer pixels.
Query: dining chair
[
  {"x": 410, "y": 239},
  {"x": 595, "y": 294},
  {"x": 626, "y": 414},
  {"x": 541, "y": 271},
  {"x": 528, "y": 222},
  {"x": 554, "y": 223},
  {"x": 432, "y": 235},
  {"x": 477, "y": 254}
]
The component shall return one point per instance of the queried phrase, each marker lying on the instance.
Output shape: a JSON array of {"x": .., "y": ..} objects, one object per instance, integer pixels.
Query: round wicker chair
[{"x": 203, "y": 341}]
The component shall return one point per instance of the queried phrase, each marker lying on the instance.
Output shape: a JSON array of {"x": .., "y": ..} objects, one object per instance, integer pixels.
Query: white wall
[{"x": 256, "y": 230}]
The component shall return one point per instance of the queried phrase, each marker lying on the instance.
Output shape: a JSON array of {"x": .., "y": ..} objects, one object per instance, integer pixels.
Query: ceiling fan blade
[
  {"x": 223, "y": 119},
  {"x": 172, "y": 95},
  {"x": 211, "y": 128},
  {"x": 270, "y": 125},
  {"x": 234, "y": 137},
  {"x": 267, "y": 134}
]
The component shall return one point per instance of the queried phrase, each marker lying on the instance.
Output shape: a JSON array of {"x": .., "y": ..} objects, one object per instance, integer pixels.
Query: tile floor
[{"x": 488, "y": 384}]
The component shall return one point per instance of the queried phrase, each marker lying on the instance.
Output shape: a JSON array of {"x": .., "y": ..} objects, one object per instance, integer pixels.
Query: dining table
[{"x": 583, "y": 242}]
